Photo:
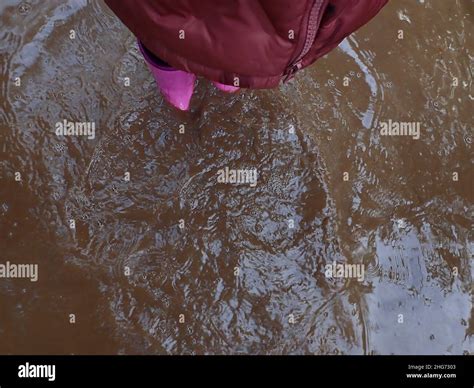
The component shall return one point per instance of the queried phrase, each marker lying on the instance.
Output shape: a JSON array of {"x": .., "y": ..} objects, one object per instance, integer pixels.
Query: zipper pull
[{"x": 293, "y": 69}]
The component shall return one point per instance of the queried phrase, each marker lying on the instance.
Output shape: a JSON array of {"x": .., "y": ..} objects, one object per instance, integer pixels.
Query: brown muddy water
[{"x": 161, "y": 257}]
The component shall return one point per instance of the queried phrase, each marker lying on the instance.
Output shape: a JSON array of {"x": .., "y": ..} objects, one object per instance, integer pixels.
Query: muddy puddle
[{"x": 141, "y": 249}]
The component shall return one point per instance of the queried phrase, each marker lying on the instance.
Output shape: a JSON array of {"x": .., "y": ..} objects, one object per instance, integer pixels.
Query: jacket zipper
[{"x": 311, "y": 31}]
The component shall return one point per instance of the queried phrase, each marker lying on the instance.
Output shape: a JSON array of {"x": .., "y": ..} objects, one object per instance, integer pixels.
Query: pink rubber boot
[
  {"x": 225, "y": 88},
  {"x": 177, "y": 86}
]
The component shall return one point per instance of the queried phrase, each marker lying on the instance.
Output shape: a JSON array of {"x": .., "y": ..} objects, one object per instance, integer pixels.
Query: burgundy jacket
[{"x": 255, "y": 42}]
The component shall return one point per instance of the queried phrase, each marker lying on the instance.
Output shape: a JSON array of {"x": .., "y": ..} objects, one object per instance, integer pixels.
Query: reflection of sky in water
[
  {"x": 345, "y": 46},
  {"x": 28, "y": 54},
  {"x": 436, "y": 314}
]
